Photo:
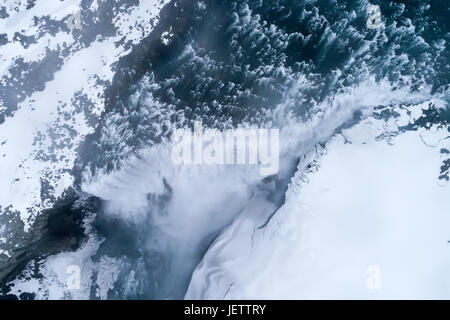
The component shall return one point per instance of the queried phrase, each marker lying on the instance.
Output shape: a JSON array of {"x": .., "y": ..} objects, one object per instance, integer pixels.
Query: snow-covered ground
[
  {"x": 366, "y": 214},
  {"x": 39, "y": 140},
  {"x": 367, "y": 220}
]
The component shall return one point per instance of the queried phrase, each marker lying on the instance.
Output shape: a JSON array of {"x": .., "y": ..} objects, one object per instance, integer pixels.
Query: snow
[
  {"x": 55, "y": 269},
  {"x": 362, "y": 204},
  {"x": 42, "y": 114},
  {"x": 368, "y": 205}
]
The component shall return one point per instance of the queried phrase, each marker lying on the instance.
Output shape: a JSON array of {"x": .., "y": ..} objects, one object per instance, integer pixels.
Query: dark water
[{"x": 233, "y": 62}]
